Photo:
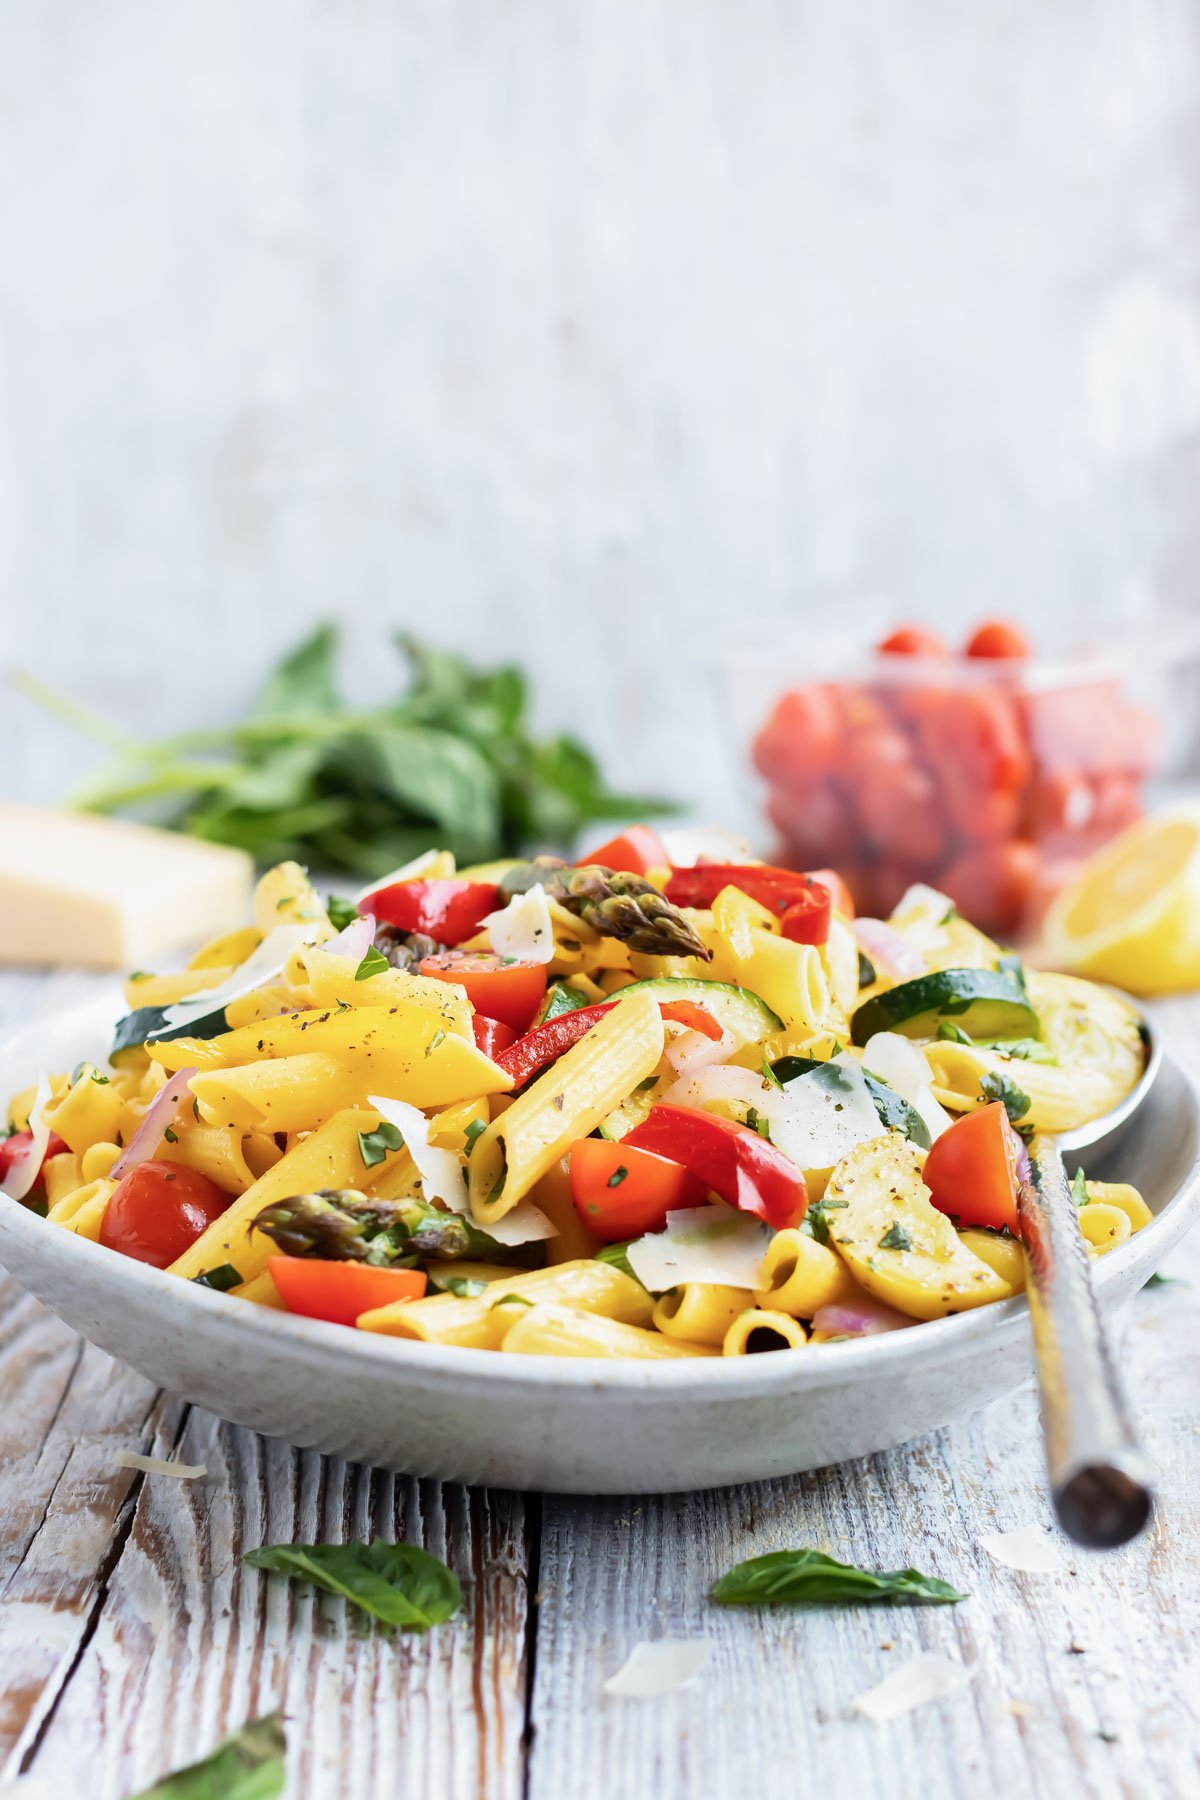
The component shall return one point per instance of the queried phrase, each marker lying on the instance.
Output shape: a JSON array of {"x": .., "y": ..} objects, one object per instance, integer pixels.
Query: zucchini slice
[
  {"x": 738, "y": 1011},
  {"x": 894, "y": 1110},
  {"x": 986, "y": 1003}
]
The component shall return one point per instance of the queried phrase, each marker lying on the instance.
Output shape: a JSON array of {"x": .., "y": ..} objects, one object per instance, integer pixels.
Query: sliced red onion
[
  {"x": 858, "y": 1318},
  {"x": 354, "y": 939},
  {"x": 887, "y": 950},
  {"x": 149, "y": 1134}
]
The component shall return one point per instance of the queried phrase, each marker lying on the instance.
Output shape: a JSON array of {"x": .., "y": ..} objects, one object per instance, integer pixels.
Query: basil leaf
[
  {"x": 373, "y": 1146},
  {"x": 247, "y": 1766},
  {"x": 1003, "y": 1088},
  {"x": 616, "y": 1256},
  {"x": 341, "y": 912},
  {"x": 952, "y": 1033},
  {"x": 373, "y": 963},
  {"x": 1157, "y": 1280},
  {"x": 221, "y": 1279},
  {"x": 810, "y": 1578},
  {"x": 474, "y": 1130},
  {"x": 151, "y": 1021},
  {"x": 401, "y": 1584},
  {"x": 867, "y": 976},
  {"x": 895, "y": 1237},
  {"x": 1079, "y": 1193}
]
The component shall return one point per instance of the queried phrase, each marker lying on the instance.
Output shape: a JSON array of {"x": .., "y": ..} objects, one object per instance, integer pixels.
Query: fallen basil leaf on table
[
  {"x": 247, "y": 1766},
  {"x": 809, "y": 1577},
  {"x": 398, "y": 1583}
]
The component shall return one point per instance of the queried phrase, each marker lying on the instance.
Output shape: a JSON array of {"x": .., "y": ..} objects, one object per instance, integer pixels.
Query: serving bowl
[{"x": 573, "y": 1426}]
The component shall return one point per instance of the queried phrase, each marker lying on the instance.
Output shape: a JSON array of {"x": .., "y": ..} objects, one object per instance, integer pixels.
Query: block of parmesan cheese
[{"x": 104, "y": 894}]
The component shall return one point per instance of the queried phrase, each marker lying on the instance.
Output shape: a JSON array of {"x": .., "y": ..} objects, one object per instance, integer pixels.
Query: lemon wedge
[{"x": 1132, "y": 914}]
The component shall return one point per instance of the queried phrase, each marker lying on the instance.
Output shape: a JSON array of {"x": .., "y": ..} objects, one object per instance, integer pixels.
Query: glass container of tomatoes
[{"x": 982, "y": 771}]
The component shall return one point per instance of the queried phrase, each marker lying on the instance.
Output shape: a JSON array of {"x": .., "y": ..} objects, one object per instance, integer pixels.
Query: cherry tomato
[
  {"x": 508, "y": 991},
  {"x": 815, "y": 821},
  {"x": 492, "y": 1036},
  {"x": 340, "y": 1292},
  {"x": 635, "y": 851},
  {"x": 997, "y": 638},
  {"x": 446, "y": 910},
  {"x": 802, "y": 736},
  {"x": 911, "y": 640},
  {"x": 622, "y": 1193},
  {"x": 15, "y": 1148},
  {"x": 898, "y": 802},
  {"x": 971, "y": 1171},
  {"x": 158, "y": 1211},
  {"x": 992, "y": 884}
]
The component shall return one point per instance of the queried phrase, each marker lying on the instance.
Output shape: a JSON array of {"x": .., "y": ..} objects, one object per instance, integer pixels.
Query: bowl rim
[{"x": 866, "y": 1359}]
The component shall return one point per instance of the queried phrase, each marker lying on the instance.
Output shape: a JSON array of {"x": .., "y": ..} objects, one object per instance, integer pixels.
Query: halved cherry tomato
[
  {"x": 319, "y": 1288},
  {"x": 621, "y": 1193},
  {"x": 735, "y": 1162},
  {"x": 446, "y": 910},
  {"x": 14, "y": 1149},
  {"x": 158, "y": 1210},
  {"x": 971, "y": 1171},
  {"x": 496, "y": 987},
  {"x": 492, "y": 1035},
  {"x": 779, "y": 890},
  {"x": 911, "y": 640},
  {"x": 635, "y": 851},
  {"x": 549, "y": 1040},
  {"x": 997, "y": 638}
]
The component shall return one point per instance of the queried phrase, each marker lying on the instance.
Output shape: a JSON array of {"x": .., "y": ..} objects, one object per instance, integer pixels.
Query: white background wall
[{"x": 599, "y": 334}]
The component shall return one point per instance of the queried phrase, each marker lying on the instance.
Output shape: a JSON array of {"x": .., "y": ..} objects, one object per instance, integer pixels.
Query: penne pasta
[
  {"x": 802, "y": 1275},
  {"x": 553, "y": 1330},
  {"x": 700, "y": 1312},
  {"x": 482, "y": 1323},
  {"x": 758, "y": 1329}
]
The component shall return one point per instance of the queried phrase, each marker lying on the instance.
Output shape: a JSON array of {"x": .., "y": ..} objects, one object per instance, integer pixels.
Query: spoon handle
[{"x": 1098, "y": 1477}]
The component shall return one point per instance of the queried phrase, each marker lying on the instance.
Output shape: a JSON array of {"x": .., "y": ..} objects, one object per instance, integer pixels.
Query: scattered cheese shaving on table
[
  {"x": 926, "y": 1677},
  {"x": 657, "y": 1668},
  {"x": 1027, "y": 1548},
  {"x": 159, "y": 1465}
]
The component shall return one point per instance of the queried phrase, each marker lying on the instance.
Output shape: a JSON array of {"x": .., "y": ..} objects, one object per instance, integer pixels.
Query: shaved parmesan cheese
[
  {"x": 261, "y": 966},
  {"x": 525, "y": 1224},
  {"x": 922, "y": 898},
  {"x": 442, "y": 1175},
  {"x": 692, "y": 844},
  {"x": 658, "y": 1668},
  {"x": 699, "y": 1088},
  {"x": 523, "y": 929},
  {"x": 158, "y": 1465},
  {"x": 22, "y": 1175},
  {"x": 921, "y": 912},
  {"x": 818, "y": 1119},
  {"x": 927, "y": 1677},
  {"x": 905, "y": 1067},
  {"x": 702, "y": 1243},
  {"x": 1027, "y": 1548}
]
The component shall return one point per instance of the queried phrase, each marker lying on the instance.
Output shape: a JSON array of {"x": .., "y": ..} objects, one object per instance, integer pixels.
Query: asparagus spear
[
  {"x": 344, "y": 1225},
  {"x": 615, "y": 904}
]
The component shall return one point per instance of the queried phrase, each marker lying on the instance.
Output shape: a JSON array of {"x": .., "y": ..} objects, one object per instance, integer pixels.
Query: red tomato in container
[
  {"x": 993, "y": 884},
  {"x": 497, "y": 988},
  {"x": 911, "y": 640},
  {"x": 971, "y": 1171},
  {"x": 997, "y": 638},
  {"x": 158, "y": 1210},
  {"x": 816, "y": 822},
  {"x": 621, "y": 1193},
  {"x": 801, "y": 736}
]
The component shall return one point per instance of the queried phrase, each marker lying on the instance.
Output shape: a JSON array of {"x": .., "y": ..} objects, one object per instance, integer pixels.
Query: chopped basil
[
  {"x": 195, "y": 1108},
  {"x": 341, "y": 912},
  {"x": 1079, "y": 1193},
  {"x": 1165, "y": 1281},
  {"x": 141, "y": 975},
  {"x": 247, "y": 1766},
  {"x": 398, "y": 1583},
  {"x": 617, "y": 1177},
  {"x": 866, "y": 971},
  {"x": 1015, "y": 1100},
  {"x": 99, "y": 1079},
  {"x": 952, "y": 1033},
  {"x": 222, "y": 1278},
  {"x": 374, "y": 1145},
  {"x": 439, "y": 1037},
  {"x": 510, "y": 1300},
  {"x": 171, "y": 1136},
  {"x": 948, "y": 917},
  {"x": 464, "y": 1287},
  {"x": 815, "y": 1224},
  {"x": 373, "y": 963},
  {"x": 895, "y": 1237},
  {"x": 473, "y": 1131},
  {"x": 616, "y": 1256},
  {"x": 809, "y": 1577}
]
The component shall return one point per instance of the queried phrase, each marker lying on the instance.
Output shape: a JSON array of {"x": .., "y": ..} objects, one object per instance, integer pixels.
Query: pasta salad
[{"x": 636, "y": 1107}]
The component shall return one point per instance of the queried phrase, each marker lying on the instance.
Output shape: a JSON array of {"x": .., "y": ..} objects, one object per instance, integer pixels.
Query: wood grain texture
[{"x": 131, "y": 1637}]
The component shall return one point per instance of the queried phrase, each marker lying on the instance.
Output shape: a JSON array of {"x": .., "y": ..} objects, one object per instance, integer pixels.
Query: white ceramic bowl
[{"x": 573, "y": 1426}]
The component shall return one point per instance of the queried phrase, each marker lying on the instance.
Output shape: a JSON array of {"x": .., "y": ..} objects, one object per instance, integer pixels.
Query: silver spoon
[{"x": 1099, "y": 1479}]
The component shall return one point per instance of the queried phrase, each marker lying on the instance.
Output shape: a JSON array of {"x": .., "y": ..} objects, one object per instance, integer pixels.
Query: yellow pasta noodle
[
  {"x": 802, "y": 1275},
  {"x": 758, "y": 1329},
  {"x": 97, "y": 1161},
  {"x": 1120, "y": 1194},
  {"x": 82, "y": 1211},
  {"x": 478, "y": 1323},
  {"x": 552, "y": 1330},
  {"x": 88, "y": 1113},
  {"x": 1104, "y": 1227},
  {"x": 563, "y": 1105},
  {"x": 700, "y": 1312}
]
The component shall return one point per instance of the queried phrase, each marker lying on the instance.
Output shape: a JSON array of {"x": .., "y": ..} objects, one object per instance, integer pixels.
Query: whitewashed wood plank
[{"x": 189, "y": 1643}]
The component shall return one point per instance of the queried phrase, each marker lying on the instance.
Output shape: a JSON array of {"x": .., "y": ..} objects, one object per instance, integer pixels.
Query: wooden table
[{"x": 132, "y": 1639}]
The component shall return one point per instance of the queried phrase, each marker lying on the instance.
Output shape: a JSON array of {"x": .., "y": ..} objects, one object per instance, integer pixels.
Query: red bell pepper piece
[
  {"x": 779, "y": 890},
  {"x": 449, "y": 911},
  {"x": 492, "y": 1036},
  {"x": 735, "y": 1162},
  {"x": 635, "y": 851},
  {"x": 548, "y": 1041}
]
